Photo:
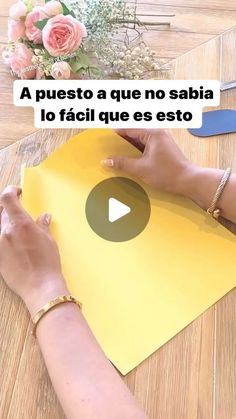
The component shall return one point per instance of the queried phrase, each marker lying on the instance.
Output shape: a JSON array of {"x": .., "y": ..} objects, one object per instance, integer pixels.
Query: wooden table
[{"x": 194, "y": 375}]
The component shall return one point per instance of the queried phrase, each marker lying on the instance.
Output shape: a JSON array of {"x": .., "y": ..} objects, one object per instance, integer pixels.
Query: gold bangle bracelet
[
  {"x": 213, "y": 210},
  {"x": 49, "y": 306}
]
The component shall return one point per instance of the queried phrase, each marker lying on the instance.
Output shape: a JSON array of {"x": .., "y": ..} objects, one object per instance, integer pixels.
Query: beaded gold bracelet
[
  {"x": 49, "y": 306},
  {"x": 213, "y": 210}
]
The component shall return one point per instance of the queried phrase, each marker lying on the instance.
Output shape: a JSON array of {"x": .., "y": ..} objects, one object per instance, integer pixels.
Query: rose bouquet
[{"x": 86, "y": 39}]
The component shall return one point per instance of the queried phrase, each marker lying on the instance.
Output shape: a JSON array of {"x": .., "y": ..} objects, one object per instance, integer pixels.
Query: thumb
[
  {"x": 44, "y": 220},
  {"x": 129, "y": 165}
]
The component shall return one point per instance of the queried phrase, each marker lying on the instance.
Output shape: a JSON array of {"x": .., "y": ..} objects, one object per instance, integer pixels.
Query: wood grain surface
[
  {"x": 193, "y": 375},
  {"x": 195, "y": 22}
]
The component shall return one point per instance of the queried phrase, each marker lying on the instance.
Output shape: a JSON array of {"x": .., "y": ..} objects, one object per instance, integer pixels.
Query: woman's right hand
[{"x": 162, "y": 165}]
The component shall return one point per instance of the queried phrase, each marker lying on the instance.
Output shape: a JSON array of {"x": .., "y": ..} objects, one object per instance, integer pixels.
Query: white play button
[{"x": 117, "y": 210}]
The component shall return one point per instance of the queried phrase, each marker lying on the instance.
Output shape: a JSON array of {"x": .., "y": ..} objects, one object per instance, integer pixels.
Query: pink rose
[
  {"x": 21, "y": 62},
  {"x": 34, "y": 34},
  {"x": 18, "y": 10},
  {"x": 63, "y": 35},
  {"x": 53, "y": 8},
  {"x": 16, "y": 30},
  {"x": 61, "y": 70}
]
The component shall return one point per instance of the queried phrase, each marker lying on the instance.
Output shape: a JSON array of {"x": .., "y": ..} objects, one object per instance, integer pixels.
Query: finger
[
  {"x": 128, "y": 165},
  {"x": 44, "y": 221},
  {"x": 1, "y": 210},
  {"x": 5, "y": 222},
  {"x": 137, "y": 137},
  {"x": 9, "y": 200}
]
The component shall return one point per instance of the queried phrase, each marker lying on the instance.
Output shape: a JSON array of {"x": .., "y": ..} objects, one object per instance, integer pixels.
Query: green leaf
[
  {"x": 41, "y": 23},
  {"x": 81, "y": 62},
  {"x": 32, "y": 44},
  {"x": 66, "y": 10},
  {"x": 77, "y": 66},
  {"x": 95, "y": 71},
  {"x": 28, "y": 4},
  {"x": 46, "y": 1},
  {"x": 82, "y": 71}
]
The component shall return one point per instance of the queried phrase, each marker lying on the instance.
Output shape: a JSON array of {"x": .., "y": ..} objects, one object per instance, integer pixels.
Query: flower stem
[{"x": 134, "y": 21}]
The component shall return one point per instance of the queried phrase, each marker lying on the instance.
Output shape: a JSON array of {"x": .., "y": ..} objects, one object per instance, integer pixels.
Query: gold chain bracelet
[
  {"x": 213, "y": 210},
  {"x": 49, "y": 306}
]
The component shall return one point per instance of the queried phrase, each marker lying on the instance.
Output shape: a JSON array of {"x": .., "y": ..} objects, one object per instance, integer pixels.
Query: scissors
[{"x": 228, "y": 85}]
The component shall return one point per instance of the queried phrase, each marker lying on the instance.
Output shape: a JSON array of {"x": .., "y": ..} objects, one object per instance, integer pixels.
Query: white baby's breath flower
[
  {"x": 37, "y": 51},
  {"x": 121, "y": 55},
  {"x": 34, "y": 60},
  {"x": 128, "y": 74},
  {"x": 133, "y": 59},
  {"x": 74, "y": 3}
]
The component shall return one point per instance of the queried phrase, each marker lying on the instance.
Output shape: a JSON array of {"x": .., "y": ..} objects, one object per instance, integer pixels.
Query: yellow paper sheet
[{"x": 136, "y": 295}]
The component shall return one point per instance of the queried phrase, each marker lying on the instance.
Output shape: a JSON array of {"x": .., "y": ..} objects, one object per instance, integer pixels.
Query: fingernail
[
  {"x": 108, "y": 162},
  {"x": 48, "y": 219}
]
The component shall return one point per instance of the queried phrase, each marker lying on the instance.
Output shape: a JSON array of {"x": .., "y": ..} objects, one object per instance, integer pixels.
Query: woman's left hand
[{"x": 29, "y": 257}]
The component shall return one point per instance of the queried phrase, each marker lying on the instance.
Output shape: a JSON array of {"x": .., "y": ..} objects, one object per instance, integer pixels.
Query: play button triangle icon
[{"x": 117, "y": 210}]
